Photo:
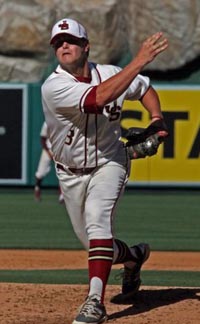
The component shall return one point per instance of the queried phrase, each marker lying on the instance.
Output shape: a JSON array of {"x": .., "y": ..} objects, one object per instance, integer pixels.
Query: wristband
[{"x": 156, "y": 116}]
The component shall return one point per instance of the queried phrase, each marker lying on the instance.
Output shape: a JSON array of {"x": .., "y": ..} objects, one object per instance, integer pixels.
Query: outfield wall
[{"x": 176, "y": 164}]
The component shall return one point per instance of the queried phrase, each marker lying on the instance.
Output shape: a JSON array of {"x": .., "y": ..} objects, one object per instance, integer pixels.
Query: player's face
[{"x": 70, "y": 50}]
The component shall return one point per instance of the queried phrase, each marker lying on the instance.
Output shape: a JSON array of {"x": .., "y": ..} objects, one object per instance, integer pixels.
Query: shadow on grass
[{"x": 147, "y": 300}]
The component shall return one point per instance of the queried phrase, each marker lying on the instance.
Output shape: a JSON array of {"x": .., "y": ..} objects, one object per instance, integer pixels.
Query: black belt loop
[
  {"x": 60, "y": 167},
  {"x": 81, "y": 171}
]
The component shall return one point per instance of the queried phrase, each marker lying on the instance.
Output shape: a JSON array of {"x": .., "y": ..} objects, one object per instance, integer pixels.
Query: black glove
[{"x": 144, "y": 142}]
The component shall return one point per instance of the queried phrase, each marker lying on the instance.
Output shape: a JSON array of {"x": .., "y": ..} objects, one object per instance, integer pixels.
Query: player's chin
[{"x": 66, "y": 57}]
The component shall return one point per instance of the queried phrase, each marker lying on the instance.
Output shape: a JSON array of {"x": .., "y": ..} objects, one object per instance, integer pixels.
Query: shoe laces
[
  {"x": 90, "y": 307},
  {"x": 128, "y": 275}
]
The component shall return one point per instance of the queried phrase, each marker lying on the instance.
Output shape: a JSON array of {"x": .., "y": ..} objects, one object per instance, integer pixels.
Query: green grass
[
  {"x": 25, "y": 223},
  {"x": 149, "y": 278},
  {"x": 167, "y": 219}
]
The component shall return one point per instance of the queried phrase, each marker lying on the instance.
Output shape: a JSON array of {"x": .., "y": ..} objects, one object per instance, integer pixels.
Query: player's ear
[{"x": 87, "y": 48}]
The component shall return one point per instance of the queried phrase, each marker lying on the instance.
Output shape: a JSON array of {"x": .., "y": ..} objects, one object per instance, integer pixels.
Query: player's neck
[{"x": 77, "y": 70}]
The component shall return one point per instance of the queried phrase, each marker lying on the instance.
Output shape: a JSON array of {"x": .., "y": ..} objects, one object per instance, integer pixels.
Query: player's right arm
[
  {"x": 113, "y": 87},
  {"x": 92, "y": 98}
]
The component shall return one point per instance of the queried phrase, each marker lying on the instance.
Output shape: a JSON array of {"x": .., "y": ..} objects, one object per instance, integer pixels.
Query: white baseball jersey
[{"x": 81, "y": 134}]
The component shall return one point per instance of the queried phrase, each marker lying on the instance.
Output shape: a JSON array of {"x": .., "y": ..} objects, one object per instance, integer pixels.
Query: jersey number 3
[{"x": 69, "y": 136}]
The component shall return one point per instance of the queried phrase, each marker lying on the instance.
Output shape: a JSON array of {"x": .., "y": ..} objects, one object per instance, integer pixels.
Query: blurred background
[{"x": 116, "y": 29}]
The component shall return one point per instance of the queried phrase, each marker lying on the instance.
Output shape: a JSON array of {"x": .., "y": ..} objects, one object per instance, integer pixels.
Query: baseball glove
[{"x": 144, "y": 142}]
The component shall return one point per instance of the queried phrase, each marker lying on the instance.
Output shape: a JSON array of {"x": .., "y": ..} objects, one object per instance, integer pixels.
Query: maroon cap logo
[{"x": 64, "y": 25}]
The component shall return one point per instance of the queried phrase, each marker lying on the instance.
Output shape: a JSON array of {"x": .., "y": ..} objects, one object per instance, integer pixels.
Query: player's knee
[{"x": 97, "y": 231}]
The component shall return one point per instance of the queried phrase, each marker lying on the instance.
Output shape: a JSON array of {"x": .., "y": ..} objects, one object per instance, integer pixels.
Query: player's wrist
[{"x": 156, "y": 117}]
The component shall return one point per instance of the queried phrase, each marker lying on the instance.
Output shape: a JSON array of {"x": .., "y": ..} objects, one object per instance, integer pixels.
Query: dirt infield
[{"x": 57, "y": 304}]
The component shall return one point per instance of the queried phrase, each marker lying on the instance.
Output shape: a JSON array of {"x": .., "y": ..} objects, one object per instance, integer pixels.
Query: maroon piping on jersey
[
  {"x": 96, "y": 117},
  {"x": 85, "y": 145},
  {"x": 91, "y": 108},
  {"x": 96, "y": 140}
]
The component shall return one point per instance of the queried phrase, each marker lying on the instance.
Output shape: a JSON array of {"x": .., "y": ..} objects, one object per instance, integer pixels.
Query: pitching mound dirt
[{"x": 57, "y": 304}]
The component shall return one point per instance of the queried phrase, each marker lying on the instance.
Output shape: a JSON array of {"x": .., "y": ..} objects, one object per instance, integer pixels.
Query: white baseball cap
[{"x": 69, "y": 27}]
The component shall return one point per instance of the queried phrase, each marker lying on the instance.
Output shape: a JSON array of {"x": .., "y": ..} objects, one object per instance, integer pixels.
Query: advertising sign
[{"x": 177, "y": 161}]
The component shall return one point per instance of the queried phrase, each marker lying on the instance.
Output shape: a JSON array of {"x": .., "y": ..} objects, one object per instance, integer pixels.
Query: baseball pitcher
[{"x": 82, "y": 103}]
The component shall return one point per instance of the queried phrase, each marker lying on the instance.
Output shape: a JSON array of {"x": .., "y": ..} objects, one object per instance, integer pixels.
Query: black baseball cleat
[{"x": 131, "y": 280}]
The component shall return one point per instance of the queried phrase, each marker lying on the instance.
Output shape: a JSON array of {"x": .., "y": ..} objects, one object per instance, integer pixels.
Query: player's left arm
[
  {"x": 144, "y": 142},
  {"x": 151, "y": 102}
]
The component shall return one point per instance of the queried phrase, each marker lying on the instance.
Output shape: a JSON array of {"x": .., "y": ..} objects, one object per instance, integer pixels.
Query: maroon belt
[{"x": 80, "y": 171}]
